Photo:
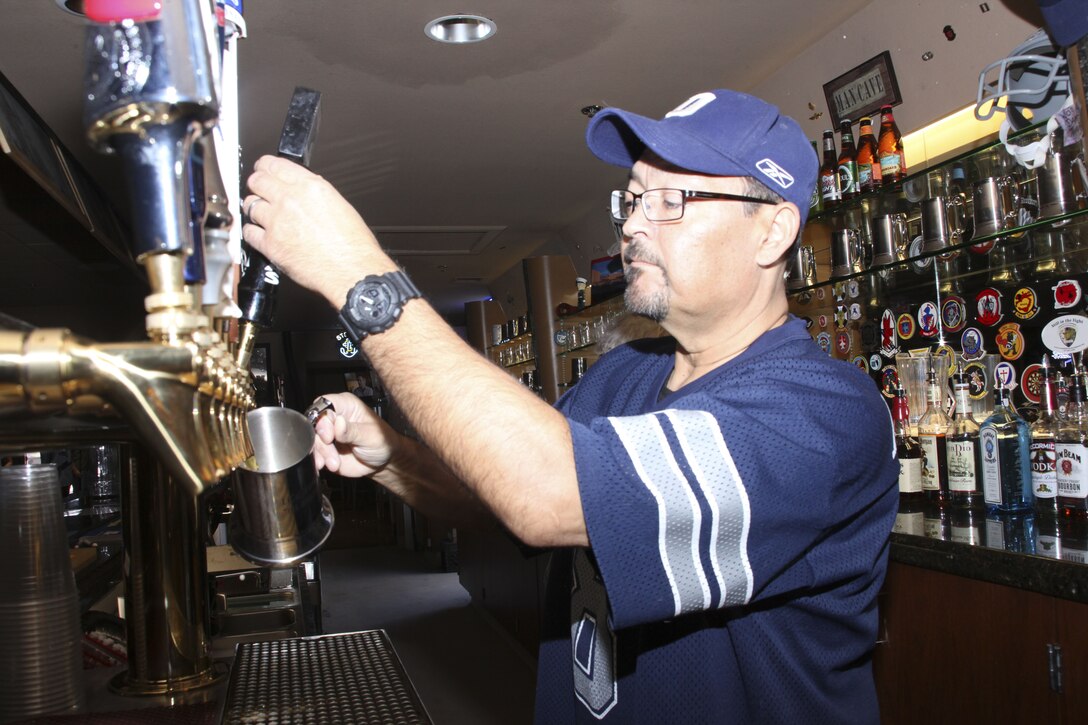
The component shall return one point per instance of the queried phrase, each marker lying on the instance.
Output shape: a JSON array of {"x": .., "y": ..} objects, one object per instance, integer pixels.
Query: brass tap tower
[{"x": 152, "y": 97}]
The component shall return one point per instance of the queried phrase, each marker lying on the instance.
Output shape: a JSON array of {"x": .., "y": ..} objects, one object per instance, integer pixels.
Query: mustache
[{"x": 637, "y": 252}]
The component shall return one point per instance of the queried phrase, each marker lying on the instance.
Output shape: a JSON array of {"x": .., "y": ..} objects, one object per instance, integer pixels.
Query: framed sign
[{"x": 862, "y": 90}]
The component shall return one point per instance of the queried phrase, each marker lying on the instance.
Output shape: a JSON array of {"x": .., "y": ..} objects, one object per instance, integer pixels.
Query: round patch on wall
[
  {"x": 971, "y": 344},
  {"x": 1031, "y": 383},
  {"x": 988, "y": 307},
  {"x": 904, "y": 326},
  {"x": 928, "y": 319},
  {"x": 1025, "y": 303},
  {"x": 953, "y": 313},
  {"x": 1010, "y": 341}
]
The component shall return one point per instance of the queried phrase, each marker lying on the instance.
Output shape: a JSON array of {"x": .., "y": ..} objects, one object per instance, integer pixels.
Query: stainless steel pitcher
[{"x": 280, "y": 515}]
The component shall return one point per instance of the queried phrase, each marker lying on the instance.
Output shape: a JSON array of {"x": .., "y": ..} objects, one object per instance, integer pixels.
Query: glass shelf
[
  {"x": 917, "y": 183},
  {"x": 923, "y": 266}
]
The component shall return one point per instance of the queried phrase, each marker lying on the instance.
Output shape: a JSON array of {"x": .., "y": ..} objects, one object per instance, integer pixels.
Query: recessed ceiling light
[
  {"x": 460, "y": 29},
  {"x": 75, "y": 7}
]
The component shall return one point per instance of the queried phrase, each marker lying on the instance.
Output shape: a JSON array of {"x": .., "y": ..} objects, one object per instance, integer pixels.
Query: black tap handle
[
  {"x": 260, "y": 279},
  {"x": 300, "y": 126}
]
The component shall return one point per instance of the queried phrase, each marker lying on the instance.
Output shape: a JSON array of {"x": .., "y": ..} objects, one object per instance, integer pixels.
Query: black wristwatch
[{"x": 375, "y": 303}]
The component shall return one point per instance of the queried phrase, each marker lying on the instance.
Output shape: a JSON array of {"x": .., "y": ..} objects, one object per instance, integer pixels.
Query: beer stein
[
  {"x": 846, "y": 252},
  {"x": 801, "y": 269},
  {"x": 995, "y": 205},
  {"x": 1003, "y": 265},
  {"x": 942, "y": 222},
  {"x": 1055, "y": 181},
  {"x": 890, "y": 239},
  {"x": 280, "y": 515}
]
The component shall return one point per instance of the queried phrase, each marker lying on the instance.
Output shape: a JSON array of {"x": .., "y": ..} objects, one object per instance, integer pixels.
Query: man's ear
[{"x": 784, "y": 228}]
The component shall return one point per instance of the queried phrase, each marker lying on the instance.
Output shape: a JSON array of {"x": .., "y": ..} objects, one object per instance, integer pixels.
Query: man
[{"x": 723, "y": 497}]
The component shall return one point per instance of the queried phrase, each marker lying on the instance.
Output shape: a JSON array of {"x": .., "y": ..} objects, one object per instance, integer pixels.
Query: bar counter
[{"x": 1040, "y": 553}]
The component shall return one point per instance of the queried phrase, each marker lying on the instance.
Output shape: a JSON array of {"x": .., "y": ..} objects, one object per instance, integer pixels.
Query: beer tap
[
  {"x": 150, "y": 93},
  {"x": 260, "y": 278}
]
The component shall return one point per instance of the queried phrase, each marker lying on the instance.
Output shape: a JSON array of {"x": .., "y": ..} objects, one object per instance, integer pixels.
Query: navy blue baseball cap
[
  {"x": 1067, "y": 20},
  {"x": 720, "y": 133}
]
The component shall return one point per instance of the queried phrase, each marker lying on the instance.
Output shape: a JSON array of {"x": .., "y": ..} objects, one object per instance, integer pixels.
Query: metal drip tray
[{"x": 336, "y": 679}]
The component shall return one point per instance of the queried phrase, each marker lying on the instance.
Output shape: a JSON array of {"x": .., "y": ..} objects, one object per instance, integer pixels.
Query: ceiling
[{"x": 465, "y": 159}]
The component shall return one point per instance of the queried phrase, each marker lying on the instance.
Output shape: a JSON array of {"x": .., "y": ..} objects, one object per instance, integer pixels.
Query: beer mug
[
  {"x": 846, "y": 252},
  {"x": 1055, "y": 181},
  {"x": 280, "y": 515},
  {"x": 890, "y": 239},
  {"x": 942, "y": 222},
  {"x": 995, "y": 204},
  {"x": 801, "y": 269}
]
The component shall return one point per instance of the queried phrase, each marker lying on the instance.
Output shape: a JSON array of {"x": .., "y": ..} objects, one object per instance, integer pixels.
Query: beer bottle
[
  {"x": 868, "y": 160},
  {"x": 893, "y": 165},
  {"x": 816, "y": 204},
  {"x": 829, "y": 173},
  {"x": 848, "y": 161}
]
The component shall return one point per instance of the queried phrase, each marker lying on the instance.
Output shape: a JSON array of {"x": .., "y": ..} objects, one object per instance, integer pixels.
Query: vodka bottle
[{"x": 1044, "y": 432}]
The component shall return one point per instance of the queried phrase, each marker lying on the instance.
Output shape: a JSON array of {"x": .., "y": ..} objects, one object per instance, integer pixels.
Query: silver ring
[
  {"x": 248, "y": 208},
  {"x": 320, "y": 406}
]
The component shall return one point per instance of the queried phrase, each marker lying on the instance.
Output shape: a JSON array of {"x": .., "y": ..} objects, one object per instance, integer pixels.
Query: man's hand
[
  {"x": 352, "y": 440},
  {"x": 306, "y": 228}
]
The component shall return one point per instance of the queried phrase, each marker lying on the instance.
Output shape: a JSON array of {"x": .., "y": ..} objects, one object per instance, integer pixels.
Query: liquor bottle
[
  {"x": 1011, "y": 531},
  {"x": 932, "y": 429},
  {"x": 965, "y": 525},
  {"x": 1005, "y": 441},
  {"x": 937, "y": 521},
  {"x": 1071, "y": 449},
  {"x": 848, "y": 161},
  {"x": 868, "y": 159},
  {"x": 909, "y": 518},
  {"x": 816, "y": 204},
  {"x": 1044, "y": 431},
  {"x": 1048, "y": 539},
  {"x": 964, "y": 452},
  {"x": 829, "y": 173},
  {"x": 893, "y": 165},
  {"x": 1073, "y": 531}
]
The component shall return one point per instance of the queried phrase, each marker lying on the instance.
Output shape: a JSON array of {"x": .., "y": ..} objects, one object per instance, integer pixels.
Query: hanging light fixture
[{"x": 460, "y": 29}]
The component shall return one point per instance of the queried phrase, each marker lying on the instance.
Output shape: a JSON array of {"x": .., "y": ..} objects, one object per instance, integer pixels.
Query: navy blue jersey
[{"x": 738, "y": 535}]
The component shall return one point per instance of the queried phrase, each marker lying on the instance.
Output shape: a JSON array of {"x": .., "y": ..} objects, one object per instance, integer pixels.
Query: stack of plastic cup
[{"x": 40, "y": 635}]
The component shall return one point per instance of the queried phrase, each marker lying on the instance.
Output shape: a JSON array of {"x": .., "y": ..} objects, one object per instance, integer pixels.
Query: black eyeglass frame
[{"x": 686, "y": 195}]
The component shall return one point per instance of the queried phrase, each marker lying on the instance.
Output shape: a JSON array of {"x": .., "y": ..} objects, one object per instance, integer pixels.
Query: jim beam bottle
[
  {"x": 848, "y": 161},
  {"x": 868, "y": 159},
  {"x": 932, "y": 429},
  {"x": 964, "y": 453},
  {"x": 830, "y": 192},
  {"x": 910, "y": 516},
  {"x": 893, "y": 164},
  {"x": 1071, "y": 449},
  {"x": 1044, "y": 433}
]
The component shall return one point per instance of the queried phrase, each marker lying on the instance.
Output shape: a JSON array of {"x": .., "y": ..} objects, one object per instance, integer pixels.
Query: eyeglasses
[{"x": 666, "y": 205}]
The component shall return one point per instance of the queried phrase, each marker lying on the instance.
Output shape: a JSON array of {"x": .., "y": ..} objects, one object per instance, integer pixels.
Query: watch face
[{"x": 375, "y": 305}]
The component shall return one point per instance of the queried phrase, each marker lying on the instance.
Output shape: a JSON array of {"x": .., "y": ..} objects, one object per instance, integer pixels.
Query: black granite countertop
[{"x": 1047, "y": 554}]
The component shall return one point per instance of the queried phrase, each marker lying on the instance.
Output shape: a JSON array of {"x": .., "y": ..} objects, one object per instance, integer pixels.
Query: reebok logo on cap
[{"x": 775, "y": 173}]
